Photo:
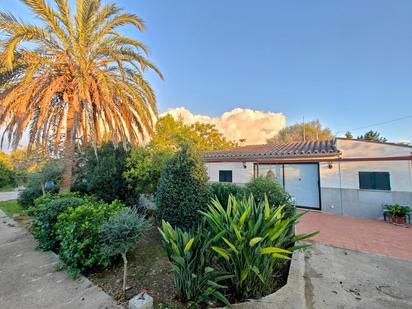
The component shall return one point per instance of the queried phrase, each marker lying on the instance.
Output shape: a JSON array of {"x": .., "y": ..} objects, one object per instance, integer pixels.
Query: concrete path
[
  {"x": 27, "y": 278},
  {"x": 341, "y": 278},
  {"x": 7, "y": 196},
  {"x": 326, "y": 277},
  {"x": 359, "y": 234}
]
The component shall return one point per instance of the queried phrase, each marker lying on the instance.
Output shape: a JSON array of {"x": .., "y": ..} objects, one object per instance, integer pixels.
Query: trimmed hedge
[
  {"x": 183, "y": 189},
  {"x": 45, "y": 217},
  {"x": 258, "y": 188},
  {"x": 222, "y": 190},
  {"x": 27, "y": 196},
  {"x": 277, "y": 196}
]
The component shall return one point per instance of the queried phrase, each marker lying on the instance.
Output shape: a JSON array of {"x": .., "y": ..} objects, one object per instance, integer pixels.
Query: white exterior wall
[
  {"x": 340, "y": 192},
  {"x": 362, "y": 149},
  {"x": 345, "y": 174},
  {"x": 339, "y": 185},
  {"x": 240, "y": 174}
]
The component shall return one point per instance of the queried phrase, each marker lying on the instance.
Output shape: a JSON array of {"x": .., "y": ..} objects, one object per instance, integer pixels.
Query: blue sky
[{"x": 347, "y": 63}]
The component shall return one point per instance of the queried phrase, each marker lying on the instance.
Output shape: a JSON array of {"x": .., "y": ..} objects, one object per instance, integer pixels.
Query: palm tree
[{"x": 74, "y": 78}]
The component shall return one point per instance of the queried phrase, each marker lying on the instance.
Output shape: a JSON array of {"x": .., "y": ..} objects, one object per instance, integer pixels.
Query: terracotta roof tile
[{"x": 269, "y": 151}]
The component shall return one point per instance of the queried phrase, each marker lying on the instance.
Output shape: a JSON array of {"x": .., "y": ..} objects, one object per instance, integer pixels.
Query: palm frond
[{"x": 78, "y": 69}]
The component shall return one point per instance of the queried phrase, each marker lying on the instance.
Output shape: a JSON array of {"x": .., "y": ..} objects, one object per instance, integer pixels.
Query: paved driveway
[
  {"x": 338, "y": 278},
  {"x": 359, "y": 234},
  {"x": 7, "y": 196},
  {"x": 27, "y": 278}
]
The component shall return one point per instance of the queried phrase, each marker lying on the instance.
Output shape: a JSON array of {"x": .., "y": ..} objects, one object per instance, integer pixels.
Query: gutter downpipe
[
  {"x": 410, "y": 173},
  {"x": 340, "y": 187}
]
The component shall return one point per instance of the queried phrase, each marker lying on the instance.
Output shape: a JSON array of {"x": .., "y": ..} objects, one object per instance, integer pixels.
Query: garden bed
[{"x": 149, "y": 269}]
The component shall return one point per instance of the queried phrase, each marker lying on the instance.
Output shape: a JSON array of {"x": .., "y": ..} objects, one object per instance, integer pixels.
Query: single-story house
[{"x": 342, "y": 176}]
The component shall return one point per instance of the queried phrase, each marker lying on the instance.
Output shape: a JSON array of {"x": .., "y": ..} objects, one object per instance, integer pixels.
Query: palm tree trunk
[{"x": 68, "y": 151}]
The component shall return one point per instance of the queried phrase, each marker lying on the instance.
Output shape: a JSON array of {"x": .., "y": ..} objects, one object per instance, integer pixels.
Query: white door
[{"x": 302, "y": 182}]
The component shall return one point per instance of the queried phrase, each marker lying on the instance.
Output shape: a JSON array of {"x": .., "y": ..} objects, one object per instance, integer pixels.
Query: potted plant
[{"x": 397, "y": 213}]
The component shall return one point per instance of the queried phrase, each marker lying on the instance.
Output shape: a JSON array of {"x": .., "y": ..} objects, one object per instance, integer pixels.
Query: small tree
[
  {"x": 50, "y": 172},
  {"x": 348, "y": 135},
  {"x": 144, "y": 167},
  {"x": 372, "y": 136},
  {"x": 183, "y": 188},
  {"x": 171, "y": 132},
  {"x": 310, "y": 131},
  {"x": 121, "y": 233},
  {"x": 45, "y": 179},
  {"x": 7, "y": 176}
]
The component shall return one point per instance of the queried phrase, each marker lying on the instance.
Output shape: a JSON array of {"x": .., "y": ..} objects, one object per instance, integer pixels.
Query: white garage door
[{"x": 302, "y": 182}]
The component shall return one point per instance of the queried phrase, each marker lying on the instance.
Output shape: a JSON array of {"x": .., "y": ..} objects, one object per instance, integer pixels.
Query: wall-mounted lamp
[
  {"x": 330, "y": 165},
  {"x": 244, "y": 165}
]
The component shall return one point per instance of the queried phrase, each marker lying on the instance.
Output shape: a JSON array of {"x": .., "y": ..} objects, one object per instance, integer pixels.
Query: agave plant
[
  {"x": 190, "y": 255},
  {"x": 252, "y": 240}
]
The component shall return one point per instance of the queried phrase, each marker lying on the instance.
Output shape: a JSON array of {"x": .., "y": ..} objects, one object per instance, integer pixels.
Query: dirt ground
[{"x": 148, "y": 268}]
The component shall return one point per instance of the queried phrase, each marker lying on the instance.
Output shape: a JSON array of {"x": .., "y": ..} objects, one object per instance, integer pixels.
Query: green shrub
[
  {"x": 78, "y": 230},
  {"x": 35, "y": 187},
  {"x": 252, "y": 241},
  {"x": 27, "y": 196},
  {"x": 183, "y": 189},
  {"x": 222, "y": 190},
  {"x": 45, "y": 217},
  {"x": 397, "y": 211},
  {"x": 276, "y": 195},
  {"x": 7, "y": 176},
  {"x": 147, "y": 203},
  {"x": 190, "y": 255},
  {"x": 102, "y": 175},
  {"x": 40, "y": 202},
  {"x": 121, "y": 233},
  {"x": 50, "y": 172},
  {"x": 144, "y": 167},
  {"x": 43, "y": 200}
]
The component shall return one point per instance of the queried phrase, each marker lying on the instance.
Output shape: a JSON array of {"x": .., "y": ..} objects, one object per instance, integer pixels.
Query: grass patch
[
  {"x": 11, "y": 208},
  {"x": 7, "y": 189}
]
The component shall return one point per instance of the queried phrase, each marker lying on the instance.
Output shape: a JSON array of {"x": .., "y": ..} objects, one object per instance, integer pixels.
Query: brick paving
[{"x": 359, "y": 234}]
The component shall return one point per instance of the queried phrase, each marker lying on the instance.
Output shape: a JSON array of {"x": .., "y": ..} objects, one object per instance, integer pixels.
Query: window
[
  {"x": 273, "y": 171},
  {"x": 225, "y": 176},
  {"x": 374, "y": 181}
]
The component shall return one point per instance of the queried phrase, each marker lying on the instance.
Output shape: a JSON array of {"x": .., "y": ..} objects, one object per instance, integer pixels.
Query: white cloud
[
  {"x": 253, "y": 125},
  {"x": 403, "y": 141}
]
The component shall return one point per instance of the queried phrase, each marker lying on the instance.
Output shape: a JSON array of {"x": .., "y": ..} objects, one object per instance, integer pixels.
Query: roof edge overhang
[
  {"x": 334, "y": 158},
  {"x": 373, "y": 142},
  {"x": 274, "y": 159}
]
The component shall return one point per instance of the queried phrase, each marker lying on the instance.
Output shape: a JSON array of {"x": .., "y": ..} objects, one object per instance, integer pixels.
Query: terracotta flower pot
[{"x": 398, "y": 220}]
